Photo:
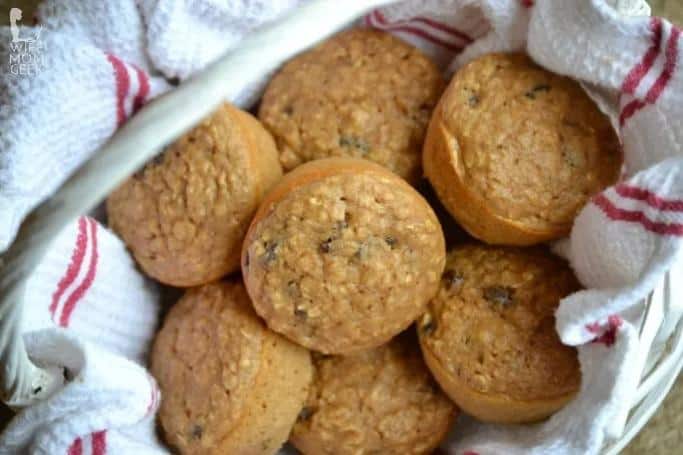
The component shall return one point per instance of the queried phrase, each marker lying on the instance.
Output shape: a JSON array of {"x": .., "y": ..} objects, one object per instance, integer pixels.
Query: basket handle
[{"x": 143, "y": 136}]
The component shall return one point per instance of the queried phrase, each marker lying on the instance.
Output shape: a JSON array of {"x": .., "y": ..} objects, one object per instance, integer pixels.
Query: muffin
[
  {"x": 382, "y": 400},
  {"x": 342, "y": 255},
  {"x": 229, "y": 384},
  {"x": 361, "y": 94},
  {"x": 489, "y": 334},
  {"x": 185, "y": 215},
  {"x": 514, "y": 152}
]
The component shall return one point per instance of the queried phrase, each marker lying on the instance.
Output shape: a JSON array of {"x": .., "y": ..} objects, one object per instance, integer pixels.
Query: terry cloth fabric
[
  {"x": 90, "y": 314},
  {"x": 103, "y": 60}
]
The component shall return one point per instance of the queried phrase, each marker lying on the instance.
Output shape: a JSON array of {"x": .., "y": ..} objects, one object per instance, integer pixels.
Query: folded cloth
[
  {"x": 90, "y": 314},
  {"x": 183, "y": 36},
  {"x": 103, "y": 60},
  {"x": 57, "y": 117},
  {"x": 107, "y": 405},
  {"x": 88, "y": 283}
]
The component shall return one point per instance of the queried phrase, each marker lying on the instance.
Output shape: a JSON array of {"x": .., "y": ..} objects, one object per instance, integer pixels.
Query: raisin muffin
[
  {"x": 489, "y": 334},
  {"x": 185, "y": 215},
  {"x": 514, "y": 152},
  {"x": 382, "y": 400},
  {"x": 229, "y": 384},
  {"x": 342, "y": 255},
  {"x": 361, "y": 94}
]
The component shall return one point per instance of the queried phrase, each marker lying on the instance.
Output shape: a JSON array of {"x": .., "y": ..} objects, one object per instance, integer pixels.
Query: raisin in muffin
[
  {"x": 514, "y": 151},
  {"x": 185, "y": 215},
  {"x": 342, "y": 255},
  {"x": 489, "y": 335},
  {"x": 229, "y": 384},
  {"x": 361, "y": 94},
  {"x": 382, "y": 400}
]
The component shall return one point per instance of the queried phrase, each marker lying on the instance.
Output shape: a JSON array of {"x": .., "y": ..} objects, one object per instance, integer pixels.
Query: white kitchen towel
[
  {"x": 183, "y": 36},
  {"x": 107, "y": 405},
  {"x": 622, "y": 242},
  {"x": 88, "y": 283},
  {"x": 57, "y": 113},
  {"x": 89, "y": 314}
]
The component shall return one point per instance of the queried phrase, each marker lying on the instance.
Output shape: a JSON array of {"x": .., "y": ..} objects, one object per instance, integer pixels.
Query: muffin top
[
  {"x": 206, "y": 358},
  {"x": 342, "y": 255},
  {"x": 529, "y": 144},
  {"x": 492, "y": 323},
  {"x": 381, "y": 400},
  {"x": 185, "y": 214},
  {"x": 361, "y": 94}
]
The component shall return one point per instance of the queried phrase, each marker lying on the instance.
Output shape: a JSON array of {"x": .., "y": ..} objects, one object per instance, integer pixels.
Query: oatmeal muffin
[
  {"x": 185, "y": 215},
  {"x": 514, "y": 152},
  {"x": 342, "y": 255},
  {"x": 382, "y": 400},
  {"x": 489, "y": 334},
  {"x": 229, "y": 384},
  {"x": 361, "y": 94}
]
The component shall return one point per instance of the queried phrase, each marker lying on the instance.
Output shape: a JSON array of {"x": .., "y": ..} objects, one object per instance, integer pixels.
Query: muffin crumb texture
[
  {"x": 184, "y": 215},
  {"x": 515, "y": 151},
  {"x": 381, "y": 400},
  {"x": 229, "y": 384},
  {"x": 493, "y": 327},
  {"x": 361, "y": 94},
  {"x": 345, "y": 261}
]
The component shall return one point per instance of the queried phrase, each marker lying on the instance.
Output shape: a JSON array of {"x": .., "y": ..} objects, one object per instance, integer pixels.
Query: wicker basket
[{"x": 168, "y": 117}]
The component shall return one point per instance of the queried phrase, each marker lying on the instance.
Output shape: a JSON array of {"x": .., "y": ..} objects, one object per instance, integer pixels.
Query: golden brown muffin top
[
  {"x": 185, "y": 214},
  {"x": 342, "y": 258},
  {"x": 381, "y": 400},
  {"x": 530, "y": 143},
  {"x": 492, "y": 322},
  {"x": 361, "y": 94},
  {"x": 206, "y": 359}
]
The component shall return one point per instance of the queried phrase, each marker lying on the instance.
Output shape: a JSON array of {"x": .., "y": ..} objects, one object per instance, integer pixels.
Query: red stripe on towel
[
  {"x": 99, "y": 442},
  {"x": 634, "y": 216},
  {"x": 650, "y": 198},
  {"x": 122, "y": 87},
  {"x": 74, "y": 266},
  {"x": 143, "y": 91},
  {"x": 629, "y": 110},
  {"x": 636, "y": 75},
  {"x": 671, "y": 55},
  {"x": 76, "y": 447},
  {"x": 444, "y": 28},
  {"x": 609, "y": 336},
  {"x": 81, "y": 290},
  {"x": 376, "y": 19}
]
